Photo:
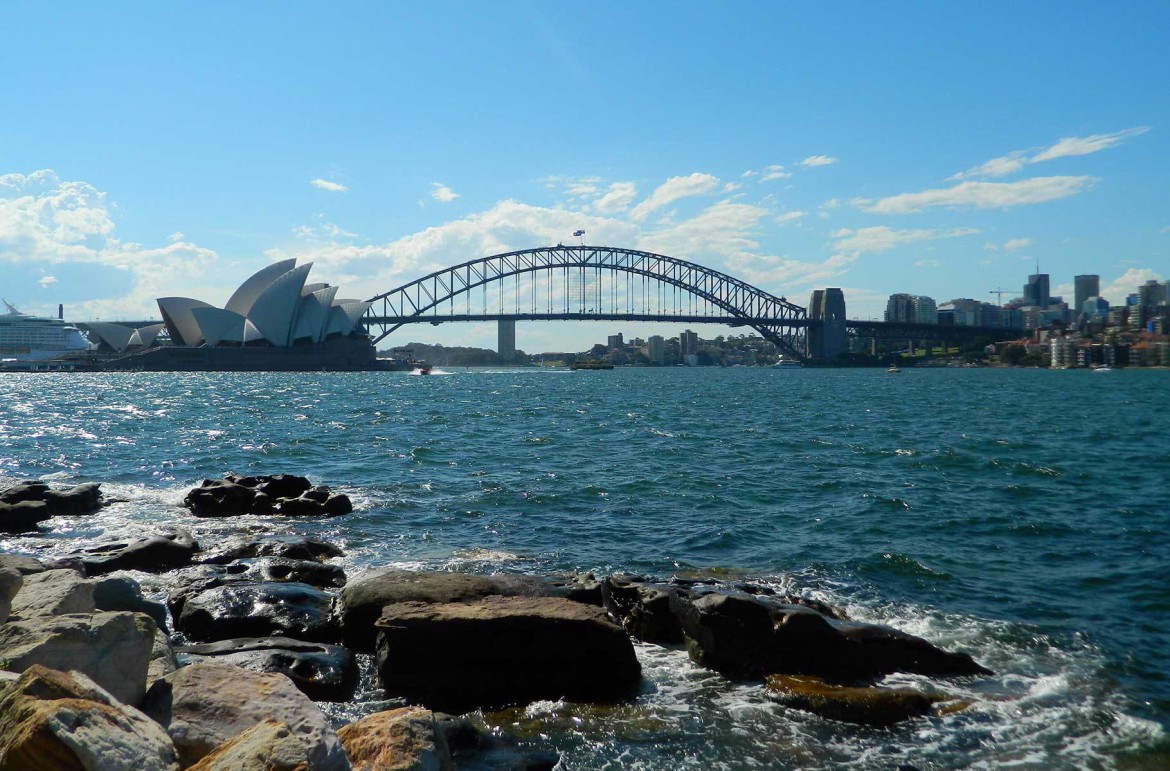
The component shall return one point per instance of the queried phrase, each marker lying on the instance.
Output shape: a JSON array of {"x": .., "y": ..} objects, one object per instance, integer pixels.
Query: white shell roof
[
  {"x": 219, "y": 324},
  {"x": 313, "y": 314},
  {"x": 245, "y": 297},
  {"x": 274, "y": 311},
  {"x": 177, "y": 315}
]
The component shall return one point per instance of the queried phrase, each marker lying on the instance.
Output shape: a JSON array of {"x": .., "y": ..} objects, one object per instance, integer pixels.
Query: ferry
[
  {"x": 24, "y": 337},
  {"x": 784, "y": 363},
  {"x": 590, "y": 364}
]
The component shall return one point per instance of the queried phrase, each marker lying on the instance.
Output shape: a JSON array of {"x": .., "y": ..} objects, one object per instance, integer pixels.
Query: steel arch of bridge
[{"x": 777, "y": 320}]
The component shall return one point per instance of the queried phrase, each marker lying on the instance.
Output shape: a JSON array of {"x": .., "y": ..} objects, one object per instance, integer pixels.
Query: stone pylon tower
[{"x": 827, "y": 339}]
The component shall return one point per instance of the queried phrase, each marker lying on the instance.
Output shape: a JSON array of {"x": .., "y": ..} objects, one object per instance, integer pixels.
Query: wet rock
[
  {"x": 112, "y": 648},
  {"x": 288, "y": 547},
  {"x": 747, "y": 637},
  {"x": 866, "y": 706},
  {"x": 204, "y": 705},
  {"x": 322, "y": 672},
  {"x": 503, "y": 650},
  {"x": 643, "y": 608},
  {"x": 219, "y": 498},
  {"x": 124, "y": 593},
  {"x": 474, "y": 747},
  {"x": 61, "y": 721},
  {"x": 362, "y": 601},
  {"x": 10, "y": 583},
  {"x": 76, "y": 501},
  {"x": 54, "y": 593},
  {"x": 406, "y": 739},
  {"x": 581, "y": 587},
  {"x": 23, "y": 516},
  {"x": 156, "y": 554},
  {"x": 286, "y": 494},
  {"x": 21, "y": 564},
  {"x": 267, "y": 746},
  {"x": 279, "y": 485},
  {"x": 302, "y": 571},
  {"x": 257, "y": 609},
  {"x": 30, "y": 490}
]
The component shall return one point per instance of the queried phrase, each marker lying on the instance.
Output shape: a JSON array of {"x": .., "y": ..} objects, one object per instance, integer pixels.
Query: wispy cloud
[
  {"x": 775, "y": 171},
  {"x": 980, "y": 195},
  {"x": 1015, "y": 244},
  {"x": 882, "y": 239},
  {"x": 617, "y": 198},
  {"x": 47, "y": 281},
  {"x": 1127, "y": 283},
  {"x": 1065, "y": 148},
  {"x": 673, "y": 189},
  {"x": 817, "y": 160},
  {"x": 790, "y": 216},
  {"x": 178, "y": 235},
  {"x": 443, "y": 193},
  {"x": 324, "y": 184}
]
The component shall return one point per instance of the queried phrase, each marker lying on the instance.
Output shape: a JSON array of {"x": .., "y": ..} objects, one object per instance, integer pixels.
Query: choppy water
[{"x": 1019, "y": 515}]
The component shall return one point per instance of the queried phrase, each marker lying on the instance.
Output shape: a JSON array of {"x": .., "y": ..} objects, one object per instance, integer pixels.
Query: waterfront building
[
  {"x": 506, "y": 340},
  {"x": 656, "y": 350},
  {"x": 615, "y": 341},
  {"x": 688, "y": 343},
  {"x": 925, "y": 310},
  {"x": 899, "y": 308}
]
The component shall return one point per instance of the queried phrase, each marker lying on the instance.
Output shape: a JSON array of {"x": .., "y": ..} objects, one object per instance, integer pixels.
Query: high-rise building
[
  {"x": 925, "y": 310},
  {"x": 688, "y": 343},
  {"x": 1085, "y": 287},
  {"x": 506, "y": 340},
  {"x": 615, "y": 341},
  {"x": 1036, "y": 290},
  {"x": 656, "y": 349},
  {"x": 900, "y": 307}
]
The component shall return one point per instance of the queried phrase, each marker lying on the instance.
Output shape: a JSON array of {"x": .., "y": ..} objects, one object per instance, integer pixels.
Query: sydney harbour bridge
[{"x": 600, "y": 283}]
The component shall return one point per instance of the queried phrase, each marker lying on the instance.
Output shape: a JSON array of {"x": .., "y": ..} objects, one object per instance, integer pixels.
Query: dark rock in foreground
[
  {"x": 744, "y": 637},
  {"x": 866, "y": 706},
  {"x": 275, "y": 494},
  {"x": 223, "y": 611},
  {"x": 362, "y": 600},
  {"x": 321, "y": 672},
  {"x": 24, "y": 505},
  {"x": 284, "y": 546},
  {"x": 156, "y": 554},
  {"x": 503, "y": 650}
]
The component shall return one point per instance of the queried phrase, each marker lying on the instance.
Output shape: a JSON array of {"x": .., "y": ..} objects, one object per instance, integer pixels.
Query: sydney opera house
[{"x": 274, "y": 321}]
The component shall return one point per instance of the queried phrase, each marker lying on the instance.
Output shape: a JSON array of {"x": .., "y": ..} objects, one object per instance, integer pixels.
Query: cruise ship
[{"x": 35, "y": 338}]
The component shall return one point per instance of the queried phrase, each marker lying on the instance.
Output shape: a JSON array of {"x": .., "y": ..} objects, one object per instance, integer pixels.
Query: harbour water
[{"x": 1021, "y": 516}]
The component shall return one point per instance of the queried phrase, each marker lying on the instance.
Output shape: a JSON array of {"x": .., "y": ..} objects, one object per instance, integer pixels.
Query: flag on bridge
[{"x": 578, "y": 232}]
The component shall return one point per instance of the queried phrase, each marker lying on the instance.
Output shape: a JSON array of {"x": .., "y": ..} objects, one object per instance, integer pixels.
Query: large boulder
[
  {"x": 21, "y": 564},
  {"x": 112, "y": 648},
  {"x": 322, "y": 672},
  {"x": 204, "y": 705},
  {"x": 30, "y": 490},
  {"x": 866, "y": 706},
  {"x": 267, "y": 746},
  {"x": 25, "y": 504},
  {"x": 54, "y": 593},
  {"x": 275, "y": 494},
  {"x": 643, "y": 608},
  {"x": 362, "y": 601},
  {"x": 155, "y": 554},
  {"x": 10, "y": 583},
  {"x": 124, "y": 593},
  {"x": 162, "y": 658},
  {"x": 76, "y": 501},
  {"x": 285, "y": 546},
  {"x": 302, "y": 571},
  {"x": 63, "y": 721},
  {"x": 743, "y": 636},
  {"x": 257, "y": 609},
  {"x": 503, "y": 650},
  {"x": 406, "y": 739},
  {"x": 23, "y": 516}
]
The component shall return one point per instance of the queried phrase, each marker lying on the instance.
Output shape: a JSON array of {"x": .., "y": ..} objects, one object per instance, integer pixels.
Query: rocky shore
[{"x": 257, "y": 630}]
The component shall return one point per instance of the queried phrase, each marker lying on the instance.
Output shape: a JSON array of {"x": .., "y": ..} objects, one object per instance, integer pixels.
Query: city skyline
[{"x": 162, "y": 151}]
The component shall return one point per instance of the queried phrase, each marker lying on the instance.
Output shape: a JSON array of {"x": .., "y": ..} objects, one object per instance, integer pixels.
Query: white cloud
[
  {"x": 178, "y": 235},
  {"x": 47, "y": 281},
  {"x": 774, "y": 171},
  {"x": 748, "y": 173},
  {"x": 1074, "y": 146},
  {"x": 817, "y": 160},
  {"x": 443, "y": 193},
  {"x": 791, "y": 216},
  {"x": 673, "y": 189},
  {"x": 730, "y": 187},
  {"x": 617, "y": 198},
  {"x": 927, "y": 264},
  {"x": 1065, "y": 148},
  {"x": 980, "y": 195},
  {"x": 882, "y": 239},
  {"x": 1127, "y": 283},
  {"x": 1015, "y": 244},
  {"x": 324, "y": 184}
]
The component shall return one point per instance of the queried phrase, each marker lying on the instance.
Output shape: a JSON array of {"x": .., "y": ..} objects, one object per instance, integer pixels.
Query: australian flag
[{"x": 578, "y": 232}]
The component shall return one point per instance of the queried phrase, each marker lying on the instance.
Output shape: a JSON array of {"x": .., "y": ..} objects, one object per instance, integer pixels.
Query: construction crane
[{"x": 999, "y": 294}]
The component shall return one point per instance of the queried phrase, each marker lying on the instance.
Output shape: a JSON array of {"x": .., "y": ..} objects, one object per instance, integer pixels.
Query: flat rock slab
[
  {"x": 322, "y": 672},
  {"x": 267, "y": 746},
  {"x": 866, "y": 706},
  {"x": 286, "y": 546},
  {"x": 156, "y": 554},
  {"x": 112, "y": 648},
  {"x": 54, "y": 593},
  {"x": 258, "y": 609},
  {"x": 60, "y": 721},
  {"x": 362, "y": 600},
  {"x": 204, "y": 705},
  {"x": 500, "y": 651}
]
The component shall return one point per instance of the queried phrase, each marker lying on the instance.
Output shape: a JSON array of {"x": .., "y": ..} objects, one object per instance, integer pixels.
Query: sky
[{"x": 944, "y": 149}]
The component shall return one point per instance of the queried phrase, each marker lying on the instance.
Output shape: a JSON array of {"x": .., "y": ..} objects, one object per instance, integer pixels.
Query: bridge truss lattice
[{"x": 590, "y": 283}]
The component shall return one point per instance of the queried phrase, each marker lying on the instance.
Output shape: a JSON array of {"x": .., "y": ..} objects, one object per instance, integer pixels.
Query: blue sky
[{"x": 155, "y": 149}]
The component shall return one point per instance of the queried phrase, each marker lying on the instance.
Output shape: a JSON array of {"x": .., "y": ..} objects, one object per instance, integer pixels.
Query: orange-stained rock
[
  {"x": 60, "y": 721},
  {"x": 405, "y": 739},
  {"x": 266, "y": 746},
  {"x": 867, "y": 706}
]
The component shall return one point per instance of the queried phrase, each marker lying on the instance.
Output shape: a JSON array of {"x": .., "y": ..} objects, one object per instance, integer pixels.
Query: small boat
[
  {"x": 1103, "y": 368},
  {"x": 893, "y": 368},
  {"x": 421, "y": 369},
  {"x": 784, "y": 363}
]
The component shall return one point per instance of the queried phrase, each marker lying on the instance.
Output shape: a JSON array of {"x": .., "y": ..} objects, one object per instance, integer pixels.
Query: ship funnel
[{"x": 61, "y": 310}]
